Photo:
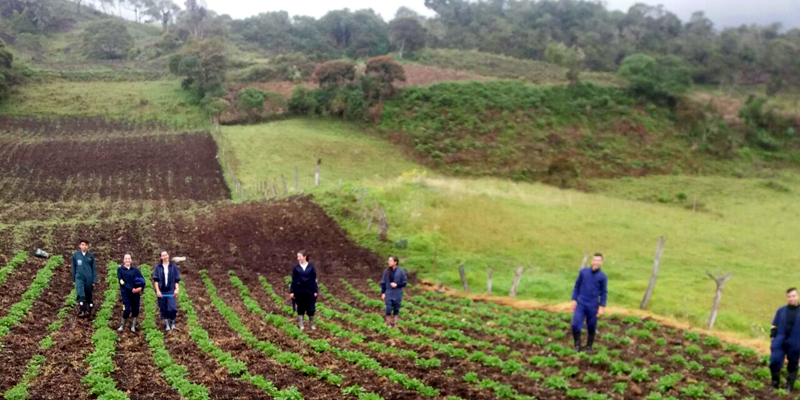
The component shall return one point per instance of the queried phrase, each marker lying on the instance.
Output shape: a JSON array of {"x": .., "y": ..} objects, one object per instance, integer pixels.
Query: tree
[
  {"x": 406, "y": 34},
  {"x": 162, "y": 10},
  {"x": 663, "y": 78},
  {"x": 571, "y": 58},
  {"x": 385, "y": 70},
  {"x": 6, "y": 76},
  {"x": 137, "y": 6},
  {"x": 335, "y": 73},
  {"x": 203, "y": 65},
  {"x": 107, "y": 39},
  {"x": 358, "y": 34}
]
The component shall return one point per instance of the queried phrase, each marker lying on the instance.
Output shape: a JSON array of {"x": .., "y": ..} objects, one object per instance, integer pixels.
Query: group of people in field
[
  {"x": 589, "y": 298},
  {"x": 166, "y": 278}
]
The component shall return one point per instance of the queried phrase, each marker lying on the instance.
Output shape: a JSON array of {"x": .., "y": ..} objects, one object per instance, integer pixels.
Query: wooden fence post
[
  {"x": 463, "y": 278},
  {"x": 296, "y": 179},
  {"x": 654, "y": 277},
  {"x": 383, "y": 223},
  {"x": 720, "y": 280},
  {"x": 283, "y": 180},
  {"x": 517, "y": 277},
  {"x": 585, "y": 259},
  {"x": 371, "y": 218},
  {"x": 489, "y": 280},
  {"x": 363, "y": 193},
  {"x": 316, "y": 172}
]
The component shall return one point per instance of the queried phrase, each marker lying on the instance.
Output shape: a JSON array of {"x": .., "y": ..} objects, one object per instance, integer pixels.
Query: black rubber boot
[
  {"x": 590, "y": 343},
  {"x": 776, "y": 380},
  {"x": 576, "y": 336},
  {"x": 311, "y": 320},
  {"x": 133, "y": 325},
  {"x": 121, "y": 324},
  {"x": 790, "y": 381}
]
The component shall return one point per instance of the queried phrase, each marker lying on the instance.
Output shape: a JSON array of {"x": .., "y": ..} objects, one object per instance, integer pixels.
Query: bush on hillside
[
  {"x": 385, "y": 71},
  {"x": 107, "y": 39},
  {"x": 302, "y": 101},
  {"x": 258, "y": 105},
  {"x": 767, "y": 130},
  {"x": 571, "y": 58},
  {"x": 293, "y": 67},
  {"x": 203, "y": 65},
  {"x": 335, "y": 73},
  {"x": 6, "y": 74},
  {"x": 662, "y": 80}
]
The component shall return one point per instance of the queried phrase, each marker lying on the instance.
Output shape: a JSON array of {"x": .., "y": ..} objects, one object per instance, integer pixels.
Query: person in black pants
[
  {"x": 131, "y": 283},
  {"x": 304, "y": 289},
  {"x": 785, "y": 334}
]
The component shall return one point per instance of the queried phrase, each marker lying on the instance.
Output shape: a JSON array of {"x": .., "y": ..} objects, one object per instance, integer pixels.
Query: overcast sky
[{"x": 724, "y": 13}]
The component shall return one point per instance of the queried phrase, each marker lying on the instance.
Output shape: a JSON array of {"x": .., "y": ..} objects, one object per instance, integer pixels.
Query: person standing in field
[
  {"x": 166, "y": 280},
  {"x": 84, "y": 275},
  {"x": 393, "y": 281},
  {"x": 304, "y": 289},
  {"x": 785, "y": 334},
  {"x": 131, "y": 283},
  {"x": 589, "y": 301}
]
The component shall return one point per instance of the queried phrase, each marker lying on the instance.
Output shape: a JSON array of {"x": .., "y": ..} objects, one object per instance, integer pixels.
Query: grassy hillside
[
  {"x": 743, "y": 226},
  {"x": 553, "y": 134},
  {"x": 500, "y": 66},
  {"x": 162, "y": 101}
]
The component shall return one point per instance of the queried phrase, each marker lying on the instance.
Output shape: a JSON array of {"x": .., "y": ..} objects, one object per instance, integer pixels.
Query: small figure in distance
[
  {"x": 304, "y": 289},
  {"x": 393, "y": 281},
  {"x": 785, "y": 334},
  {"x": 166, "y": 280},
  {"x": 84, "y": 274},
  {"x": 131, "y": 283},
  {"x": 589, "y": 301}
]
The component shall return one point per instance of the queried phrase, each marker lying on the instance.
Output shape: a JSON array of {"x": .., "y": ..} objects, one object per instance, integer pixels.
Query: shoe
[
  {"x": 172, "y": 324},
  {"x": 166, "y": 325},
  {"x": 589, "y": 351},
  {"x": 313, "y": 327},
  {"x": 121, "y": 325},
  {"x": 133, "y": 325},
  {"x": 790, "y": 381}
]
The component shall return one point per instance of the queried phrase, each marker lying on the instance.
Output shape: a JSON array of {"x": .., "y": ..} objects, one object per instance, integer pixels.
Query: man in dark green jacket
[{"x": 84, "y": 274}]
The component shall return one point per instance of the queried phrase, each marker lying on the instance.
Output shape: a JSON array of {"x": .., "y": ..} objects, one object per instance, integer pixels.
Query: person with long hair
[
  {"x": 131, "y": 284},
  {"x": 393, "y": 281},
  {"x": 166, "y": 279},
  {"x": 304, "y": 289}
]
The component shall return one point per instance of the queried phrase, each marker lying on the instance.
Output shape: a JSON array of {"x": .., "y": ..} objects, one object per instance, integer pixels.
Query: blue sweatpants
[
  {"x": 130, "y": 303},
  {"x": 781, "y": 353},
  {"x": 585, "y": 312}
]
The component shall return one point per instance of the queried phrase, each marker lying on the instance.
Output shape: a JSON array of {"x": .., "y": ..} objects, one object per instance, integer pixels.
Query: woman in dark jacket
[
  {"x": 304, "y": 290},
  {"x": 131, "y": 283},
  {"x": 165, "y": 280}
]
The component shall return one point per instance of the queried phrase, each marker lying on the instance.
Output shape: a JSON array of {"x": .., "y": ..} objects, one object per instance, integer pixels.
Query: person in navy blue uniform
[
  {"x": 304, "y": 289},
  {"x": 588, "y": 301},
  {"x": 393, "y": 281},
  {"x": 131, "y": 283},
  {"x": 166, "y": 280},
  {"x": 785, "y": 334},
  {"x": 84, "y": 275}
]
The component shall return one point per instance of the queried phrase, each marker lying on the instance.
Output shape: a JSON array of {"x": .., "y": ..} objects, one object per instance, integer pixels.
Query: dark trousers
[
  {"x": 83, "y": 290},
  {"x": 306, "y": 303},
  {"x": 130, "y": 304},
  {"x": 168, "y": 306},
  {"x": 587, "y": 312},
  {"x": 781, "y": 353},
  {"x": 393, "y": 306}
]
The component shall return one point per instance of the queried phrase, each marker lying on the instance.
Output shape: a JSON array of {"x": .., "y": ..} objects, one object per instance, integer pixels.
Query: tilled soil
[{"x": 157, "y": 167}]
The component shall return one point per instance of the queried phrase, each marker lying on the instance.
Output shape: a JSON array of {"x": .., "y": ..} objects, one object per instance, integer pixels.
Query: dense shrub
[
  {"x": 335, "y": 73},
  {"x": 385, "y": 71},
  {"x": 203, "y": 64},
  {"x": 6, "y": 75},
  {"x": 107, "y": 39},
  {"x": 663, "y": 79}
]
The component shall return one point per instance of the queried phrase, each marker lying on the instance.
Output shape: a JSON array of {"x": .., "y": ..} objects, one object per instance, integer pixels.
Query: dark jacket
[
  {"x": 591, "y": 286},
  {"x": 400, "y": 279},
  {"x": 83, "y": 266},
  {"x": 304, "y": 281},
  {"x": 173, "y": 278},
  {"x": 127, "y": 278},
  {"x": 780, "y": 339}
]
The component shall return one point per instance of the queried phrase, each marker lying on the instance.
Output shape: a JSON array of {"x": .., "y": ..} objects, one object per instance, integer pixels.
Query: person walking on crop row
[
  {"x": 166, "y": 280},
  {"x": 84, "y": 275},
  {"x": 393, "y": 281},
  {"x": 588, "y": 301},
  {"x": 131, "y": 284},
  {"x": 304, "y": 289},
  {"x": 785, "y": 334}
]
